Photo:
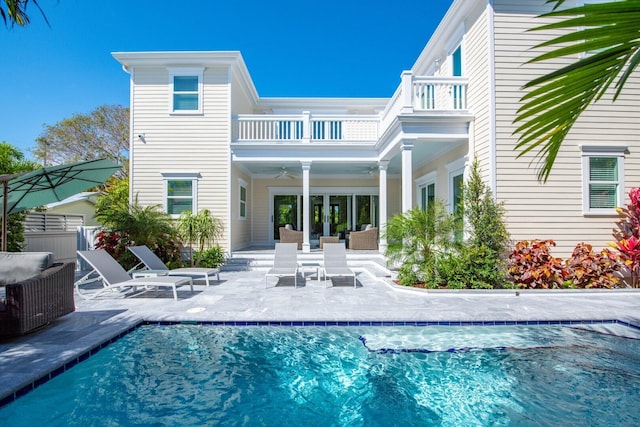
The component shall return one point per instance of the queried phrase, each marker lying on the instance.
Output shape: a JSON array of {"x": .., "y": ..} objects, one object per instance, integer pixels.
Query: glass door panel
[
  {"x": 339, "y": 213},
  {"x": 285, "y": 211},
  {"x": 317, "y": 217},
  {"x": 364, "y": 211}
]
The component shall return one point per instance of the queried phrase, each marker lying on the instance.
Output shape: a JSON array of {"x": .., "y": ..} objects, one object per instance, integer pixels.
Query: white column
[
  {"x": 306, "y": 202},
  {"x": 306, "y": 126},
  {"x": 382, "y": 201},
  {"x": 407, "y": 177},
  {"x": 407, "y": 92}
]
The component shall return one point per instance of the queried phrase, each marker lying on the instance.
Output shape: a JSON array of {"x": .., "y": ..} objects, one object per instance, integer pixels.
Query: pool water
[{"x": 345, "y": 376}]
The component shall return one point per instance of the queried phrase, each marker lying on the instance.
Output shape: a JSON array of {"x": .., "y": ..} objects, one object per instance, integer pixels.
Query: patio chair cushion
[{"x": 18, "y": 266}]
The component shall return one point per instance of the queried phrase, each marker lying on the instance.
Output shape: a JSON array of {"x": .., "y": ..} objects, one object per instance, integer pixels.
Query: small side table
[
  {"x": 304, "y": 266},
  {"x": 148, "y": 273}
]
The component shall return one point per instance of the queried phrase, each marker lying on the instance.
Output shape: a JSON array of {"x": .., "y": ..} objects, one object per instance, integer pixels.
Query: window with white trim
[
  {"x": 186, "y": 90},
  {"x": 242, "y": 196},
  {"x": 426, "y": 186},
  {"x": 456, "y": 62},
  {"x": 180, "y": 193},
  {"x": 455, "y": 172},
  {"x": 602, "y": 179}
]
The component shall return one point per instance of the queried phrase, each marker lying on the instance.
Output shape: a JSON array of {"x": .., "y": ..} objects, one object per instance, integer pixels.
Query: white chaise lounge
[
  {"x": 335, "y": 262},
  {"x": 114, "y": 276},
  {"x": 153, "y": 264},
  {"x": 285, "y": 262}
]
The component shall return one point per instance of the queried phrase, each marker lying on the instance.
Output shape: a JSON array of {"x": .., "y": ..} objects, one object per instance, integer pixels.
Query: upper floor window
[
  {"x": 456, "y": 61},
  {"x": 186, "y": 90},
  {"x": 602, "y": 179},
  {"x": 180, "y": 193}
]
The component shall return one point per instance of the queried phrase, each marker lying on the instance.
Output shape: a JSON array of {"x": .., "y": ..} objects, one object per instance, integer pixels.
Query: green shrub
[
  {"x": 416, "y": 238},
  {"x": 487, "y": 246},
  {"x": 212, "y": 257}
]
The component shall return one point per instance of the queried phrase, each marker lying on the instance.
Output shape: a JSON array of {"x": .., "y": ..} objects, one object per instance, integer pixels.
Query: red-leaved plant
[
  {"x": 531, "y": 266},
  {"x": 589, "y": 269},
  {"x": 111, "y": 242},
  {"x": 627, "y": 237}
]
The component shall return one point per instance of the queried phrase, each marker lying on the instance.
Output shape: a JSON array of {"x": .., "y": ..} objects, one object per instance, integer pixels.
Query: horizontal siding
[
  {"x": 553, "y": 210},
  {"x": 240, "y": 228},
  {"x": 177, "y": 143},
  {"x": 476, "y": 60}
]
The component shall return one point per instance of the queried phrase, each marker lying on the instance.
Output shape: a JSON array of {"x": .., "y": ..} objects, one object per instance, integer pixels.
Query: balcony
[
  {"x": 424, "y": 95},
  {"x": 304, "y": 128}
]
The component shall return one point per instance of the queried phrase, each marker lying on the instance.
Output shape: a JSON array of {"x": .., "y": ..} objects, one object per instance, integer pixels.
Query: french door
[{"x": 331, "y": 213}]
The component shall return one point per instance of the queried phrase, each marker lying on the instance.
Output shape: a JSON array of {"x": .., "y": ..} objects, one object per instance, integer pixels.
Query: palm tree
[
  {"x": 607, "y": 37},
  {"x": 417, "y": 238},
  {"x": 15, "y": 12},
  {"x": 202, "y": 229}
]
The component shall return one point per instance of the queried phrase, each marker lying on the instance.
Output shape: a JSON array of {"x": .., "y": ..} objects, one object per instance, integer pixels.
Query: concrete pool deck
[{"x": 242, "y": 297}]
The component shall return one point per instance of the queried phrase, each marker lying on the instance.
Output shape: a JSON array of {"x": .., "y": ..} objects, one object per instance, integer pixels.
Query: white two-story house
[{"x": 203, "y": 138}]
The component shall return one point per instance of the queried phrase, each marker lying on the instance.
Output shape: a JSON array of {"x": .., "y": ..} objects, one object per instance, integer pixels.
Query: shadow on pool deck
[{"x": 242, "y": 296}]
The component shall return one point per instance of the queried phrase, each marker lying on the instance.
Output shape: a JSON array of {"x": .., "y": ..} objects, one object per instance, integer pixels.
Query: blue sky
[{"x": 328, "y": 48}]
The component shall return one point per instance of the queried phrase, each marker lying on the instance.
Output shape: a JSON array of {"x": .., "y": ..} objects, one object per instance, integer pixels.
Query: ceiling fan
[
  {"x": 372, "y": 171},
  {"x": 285, "y": 174}
]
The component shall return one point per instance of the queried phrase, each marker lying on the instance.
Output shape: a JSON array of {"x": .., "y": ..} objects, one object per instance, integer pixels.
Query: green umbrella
[{"x": 49, "y": 185}]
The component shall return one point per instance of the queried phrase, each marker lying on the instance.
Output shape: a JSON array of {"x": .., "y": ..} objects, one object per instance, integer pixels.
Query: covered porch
[{"x": 333, "y": 174}]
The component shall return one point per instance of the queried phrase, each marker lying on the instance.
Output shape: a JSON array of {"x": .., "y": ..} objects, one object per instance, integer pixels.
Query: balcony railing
[
  {"x": 415, "y": 94},
  {"x": 304, "y": 128},
  {"x": 424, "y": 94}
]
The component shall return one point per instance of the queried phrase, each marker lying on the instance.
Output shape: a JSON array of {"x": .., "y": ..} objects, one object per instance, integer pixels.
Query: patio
[{"x": 241, "y": 296}]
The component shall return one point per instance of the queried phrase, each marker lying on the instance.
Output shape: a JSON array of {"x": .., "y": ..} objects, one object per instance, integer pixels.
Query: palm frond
[{"x": 607, "y": 37}]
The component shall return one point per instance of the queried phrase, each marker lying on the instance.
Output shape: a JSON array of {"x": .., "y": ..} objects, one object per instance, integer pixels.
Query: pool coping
[{"x": 25, "y": 387}]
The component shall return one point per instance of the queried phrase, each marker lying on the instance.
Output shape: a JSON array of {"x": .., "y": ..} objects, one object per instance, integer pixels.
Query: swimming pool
[{"x": 356, "y": 376}]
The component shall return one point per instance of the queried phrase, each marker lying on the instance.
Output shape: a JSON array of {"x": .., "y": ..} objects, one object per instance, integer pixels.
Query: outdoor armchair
[
  {"x": 36, "y": 291},
  {"x": 367, "y": 239},
  {"x": 291, "y": 236}
]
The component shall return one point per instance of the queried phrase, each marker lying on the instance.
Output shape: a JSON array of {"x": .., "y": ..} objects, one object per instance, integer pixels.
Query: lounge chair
[
  {"x": 153, "y": 264},
  {"x": 114, "y": 276},
  {"x": 335, "y": 262},
  {"x": 285, "y": 262}
]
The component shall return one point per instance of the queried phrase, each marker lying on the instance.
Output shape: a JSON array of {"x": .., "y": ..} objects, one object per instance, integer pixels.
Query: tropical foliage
[
  {"x": 211, "y": 258},
  {"x": 416, "y": 239},
  {"x": 531, "y": 266},
  {"x": 201, "y": 229},
  {"x": 12, "y": 161},
  {"x": 606, "y": 37},
  {"x": 14, "y": 12},
  {"x": 137, "y": 225},
  {"x": 627, "y": 235}
]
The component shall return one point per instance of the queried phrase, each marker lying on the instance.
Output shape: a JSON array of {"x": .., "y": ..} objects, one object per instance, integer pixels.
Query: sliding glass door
[
  {"x": 331, "y": 213},
  {"x": 285, "y": 211}
]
